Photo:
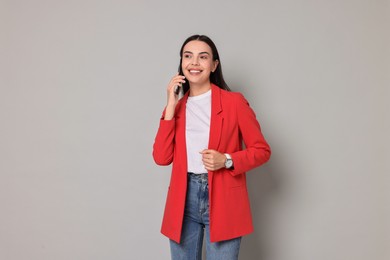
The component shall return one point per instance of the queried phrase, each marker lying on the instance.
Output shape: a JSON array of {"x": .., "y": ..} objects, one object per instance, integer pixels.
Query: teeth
[{"x": 195, "y": 71}]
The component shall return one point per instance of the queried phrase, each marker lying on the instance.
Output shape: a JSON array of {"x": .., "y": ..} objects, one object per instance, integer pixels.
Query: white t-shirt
[{"x": 198, "y": 113}]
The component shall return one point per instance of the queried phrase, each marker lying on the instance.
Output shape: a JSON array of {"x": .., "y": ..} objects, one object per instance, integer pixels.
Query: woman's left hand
[{"x": 213, "y": 160}]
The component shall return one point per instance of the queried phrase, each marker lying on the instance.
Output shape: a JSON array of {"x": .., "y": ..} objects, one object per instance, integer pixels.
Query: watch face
[{"x": 228, "y": 163}]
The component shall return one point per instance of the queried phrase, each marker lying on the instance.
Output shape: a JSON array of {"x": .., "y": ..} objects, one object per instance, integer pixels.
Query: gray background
[{"x": 83, "y": 86}]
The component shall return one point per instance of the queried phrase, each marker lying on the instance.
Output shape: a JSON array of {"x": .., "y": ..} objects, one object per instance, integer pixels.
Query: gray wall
[{"x": 82, "y": 88}]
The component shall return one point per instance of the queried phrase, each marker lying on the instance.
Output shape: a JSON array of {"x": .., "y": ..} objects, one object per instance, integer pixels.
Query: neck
[{"x": 196, "y": 90}]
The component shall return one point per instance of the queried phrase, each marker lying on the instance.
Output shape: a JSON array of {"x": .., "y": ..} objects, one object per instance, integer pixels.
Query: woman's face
[{"x": 197, "y": 62}]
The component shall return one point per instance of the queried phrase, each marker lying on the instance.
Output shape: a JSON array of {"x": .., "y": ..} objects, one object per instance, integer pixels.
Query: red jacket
[{"x": 232, "y": 123}]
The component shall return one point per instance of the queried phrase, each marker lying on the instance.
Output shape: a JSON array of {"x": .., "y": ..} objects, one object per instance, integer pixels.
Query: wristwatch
[{"x": 229, "y": 161}]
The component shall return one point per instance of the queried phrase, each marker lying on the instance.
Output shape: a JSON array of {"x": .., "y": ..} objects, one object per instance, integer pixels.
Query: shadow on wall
[
  {"x": 265, "y": 184},
  {"x": 263, "y": 187}
]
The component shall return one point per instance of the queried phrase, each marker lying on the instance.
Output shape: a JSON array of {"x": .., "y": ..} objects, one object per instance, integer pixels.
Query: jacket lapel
[
  {"x": 216, "y": 120},
  {"x": 181, "y": 122},
  {"x": 181, "y": 108}
]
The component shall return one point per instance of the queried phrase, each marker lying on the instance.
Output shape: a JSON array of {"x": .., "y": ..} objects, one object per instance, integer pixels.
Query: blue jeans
[{"x": 195, "y": 222}]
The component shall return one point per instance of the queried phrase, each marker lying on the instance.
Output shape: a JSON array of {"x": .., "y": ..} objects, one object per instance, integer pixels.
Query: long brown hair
[{"x": 216, "y": 77}]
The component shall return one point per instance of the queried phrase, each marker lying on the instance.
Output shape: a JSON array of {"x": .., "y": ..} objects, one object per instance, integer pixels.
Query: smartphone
[
  {"x": 177, "y": 90},
  {"x": 179, "y": 87}
]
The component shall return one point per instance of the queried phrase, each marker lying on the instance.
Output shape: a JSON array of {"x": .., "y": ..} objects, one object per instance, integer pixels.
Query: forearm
[
  {"x": 163, "y": 143},
  {"x": 250, "y": 158},
  {"x": 257, "y": 150},
  {"x": 169, "y": 112}
]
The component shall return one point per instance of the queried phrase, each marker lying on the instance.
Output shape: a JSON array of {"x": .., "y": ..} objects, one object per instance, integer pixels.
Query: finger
[
  {"x": 178, "y": 78},
  {"x": 208, "y": 157},
  {"x": 208, "y": 168},
  {"x": 205, "y": 160},
  {"x": 211, "y": 168},
  {"x": 209, "y": 164},
  {"x": 174, "y": 84},
  {"x": 207, "y": 151},
  {"x": 176, "y": 81},
  {"x": 172, "y": 87}
]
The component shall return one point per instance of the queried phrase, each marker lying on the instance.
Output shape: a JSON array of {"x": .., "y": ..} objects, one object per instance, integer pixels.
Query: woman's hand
[
  {"x": 213, "y": 160},
  {"x": 177, "y": 80},
  {"x": 172, "y": 98}
]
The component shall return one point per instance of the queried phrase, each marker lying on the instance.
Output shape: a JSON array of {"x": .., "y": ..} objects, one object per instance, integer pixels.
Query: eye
[
  {"x": 187, "y": 56},
  {"x": 204, "y": 57}
]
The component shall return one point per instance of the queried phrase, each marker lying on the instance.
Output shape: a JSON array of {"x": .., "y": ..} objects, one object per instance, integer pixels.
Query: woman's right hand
[
  {"x": 172, "y": 98},
  {"x": 177, "y": 80}
]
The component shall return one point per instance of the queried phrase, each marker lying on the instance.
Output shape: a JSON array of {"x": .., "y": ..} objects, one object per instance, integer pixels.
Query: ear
[{"x": 216, "y": 62}]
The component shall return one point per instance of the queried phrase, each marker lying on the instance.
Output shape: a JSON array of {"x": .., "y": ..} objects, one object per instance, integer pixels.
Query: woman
[{"x": 202, "y": 135}]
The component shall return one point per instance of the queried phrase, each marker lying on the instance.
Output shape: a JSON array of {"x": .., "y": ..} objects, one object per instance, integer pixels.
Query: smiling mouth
[{"x": 192, "y": 71}]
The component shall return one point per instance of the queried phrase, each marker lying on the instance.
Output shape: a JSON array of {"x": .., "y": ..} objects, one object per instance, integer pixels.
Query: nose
[{"x": 195, "y": 61}]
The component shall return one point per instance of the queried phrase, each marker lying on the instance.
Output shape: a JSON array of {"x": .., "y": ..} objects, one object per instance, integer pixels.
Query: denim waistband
[{"x": 198, "y": 176}]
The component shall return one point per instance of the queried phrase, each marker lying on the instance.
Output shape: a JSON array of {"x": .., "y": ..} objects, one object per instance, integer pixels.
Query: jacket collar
[
  {"x": 216, "y": 121},
  {"x": 216, "y": 106}
]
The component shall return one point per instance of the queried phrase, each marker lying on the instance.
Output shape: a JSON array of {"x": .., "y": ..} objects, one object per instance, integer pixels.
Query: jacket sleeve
[
  {"x": 164, "y": 142},
  {"x": 257, "y": 151}
]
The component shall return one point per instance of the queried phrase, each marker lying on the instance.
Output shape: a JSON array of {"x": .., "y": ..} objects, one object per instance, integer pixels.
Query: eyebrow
[{"x": 203, "y": 52}]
